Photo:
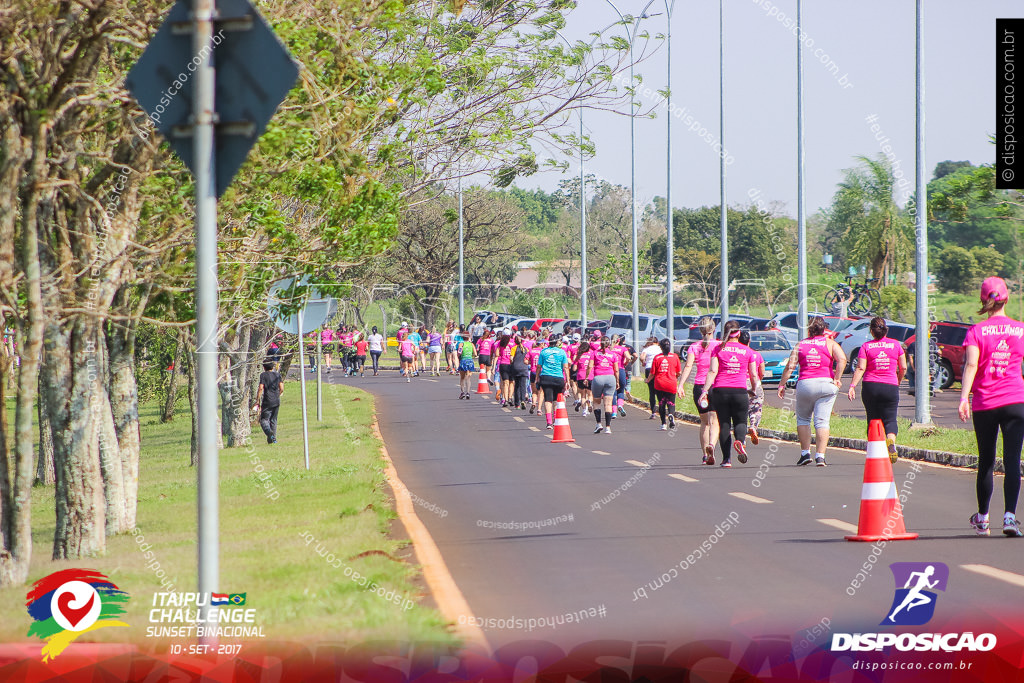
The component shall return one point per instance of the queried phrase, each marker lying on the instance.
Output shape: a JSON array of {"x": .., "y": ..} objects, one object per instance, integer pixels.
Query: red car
[
  {"x": 541, "y": 323},
  {"x": 950, "y": 339}
]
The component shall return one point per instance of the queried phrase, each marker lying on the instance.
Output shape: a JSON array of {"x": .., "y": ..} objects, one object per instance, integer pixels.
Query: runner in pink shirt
[
  {"x": 406, "y": 354},
  {"x": 731, "y": 366},
  {"x": 483, "y": 349},
  {"x": 605, "y": 367},
  {"x": 992, "y": 371},
  {"x": 537, "y": 395},
  {"x": 327, "y": 344},
  {"x": 698, "y": 357},
  {"x": 882, "y": 365},
  {"x": 579, "y": 367}
]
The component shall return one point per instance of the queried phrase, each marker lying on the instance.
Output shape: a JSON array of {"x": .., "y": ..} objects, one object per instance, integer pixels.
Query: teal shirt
[{"x": 551, "y": 360}]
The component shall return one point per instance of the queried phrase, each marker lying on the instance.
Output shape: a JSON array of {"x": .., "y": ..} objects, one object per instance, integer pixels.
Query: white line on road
[
  {"x": 573, "y": 445},
  {"x": 601, "y": 452},
  {"x": 431, "y": 380},
  {"x": 839, "y": 524},
  {"x": 518, "y": 419},
  {"x": 993, "y": 573},
  {"x": 682, "y": 477},
  {"x": 507, "y": 410},
  {"x": 637, "y": 463},
  {"x": 748, "y": 497},
  {"x": 535, "y": 429}
]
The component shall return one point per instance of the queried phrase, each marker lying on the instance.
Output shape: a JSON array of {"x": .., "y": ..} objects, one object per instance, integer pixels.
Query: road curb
[
  {"x": 450, "y": 601},
  {"x": 906, "y": 453}
]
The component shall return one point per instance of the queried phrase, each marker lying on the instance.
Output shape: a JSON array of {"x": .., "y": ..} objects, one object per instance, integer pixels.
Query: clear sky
[{"x": 872, "y": 44}]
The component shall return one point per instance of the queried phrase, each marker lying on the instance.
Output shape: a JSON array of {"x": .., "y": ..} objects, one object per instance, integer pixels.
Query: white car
[
  {"x": 622, "y": 323},
  {"x": 854, "y": 336}
]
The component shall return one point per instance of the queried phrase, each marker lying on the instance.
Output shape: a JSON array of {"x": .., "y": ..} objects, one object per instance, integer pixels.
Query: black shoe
[
  {"x": 622, "y": 411},
  {"x": 671, "y": 421},
  {"x": 805, "y": 459}
]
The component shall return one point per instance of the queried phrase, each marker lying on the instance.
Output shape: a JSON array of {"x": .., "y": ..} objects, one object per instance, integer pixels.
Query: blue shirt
[{"x": 551, "y": 360}]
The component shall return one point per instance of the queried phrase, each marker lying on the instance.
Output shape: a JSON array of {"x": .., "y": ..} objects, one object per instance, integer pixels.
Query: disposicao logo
[
  {"x": 68, "y": 603},
  {"x": 913, "y": 605}
]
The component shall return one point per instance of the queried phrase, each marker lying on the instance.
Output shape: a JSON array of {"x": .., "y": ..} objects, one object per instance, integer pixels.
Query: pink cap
[
  {"x": 994, "y": 288},
  {"x": 734, "y": 333},
  {"x": 597, "y": 334}
]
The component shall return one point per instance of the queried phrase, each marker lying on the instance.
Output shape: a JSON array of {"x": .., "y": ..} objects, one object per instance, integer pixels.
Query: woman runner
[
  {"x": 361, "y": 346},
  {"x": 663, "y": 378},
  {"x": 816, "y": 387},
  {"x": 882, "y": 364},
  {"x": 505, "y": 376},
  {"x": 407, "y": 356},
  {"x": 465, "y": 351},
  {"x": 698, "y": 355},
  {"x": 756, "y": 397},
  {"x": 650, "y": 350},
  {"x": 553, "y": 375},
  {"x": 580, "y": 368},
  {"x": 731, "y": 365},
  {"x": 992, "y": 372},
  {"x": 483, "y": 348},
  {"x": 604, "y": 364},
  {"x": 627, "y": 356},
  {"x": 376, "y": 345}
]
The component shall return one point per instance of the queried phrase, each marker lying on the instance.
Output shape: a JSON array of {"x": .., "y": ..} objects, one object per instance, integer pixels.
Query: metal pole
[
  {"x": 801, "y": 213},
  {"x": 583, "y": 237},
  {"x": 632, "y": 198},
  {"x": 319, "y": 366},
  {"x": 302, "y": 387},
  {"x": 723, "y": 218},
  {"x": 462, "y": 268},
  {"x": 922, "y": 412},
  {"x": 669, "y": 245},
  {"x": 206, "y": 303}
]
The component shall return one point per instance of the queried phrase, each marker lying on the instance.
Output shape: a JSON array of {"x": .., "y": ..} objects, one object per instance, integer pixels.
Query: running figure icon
[{"x": 915, "y": 596}]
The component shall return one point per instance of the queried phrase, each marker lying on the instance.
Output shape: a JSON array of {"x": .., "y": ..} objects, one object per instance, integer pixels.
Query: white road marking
[
  {"x": 683, "y": 477},
  {"x": 518, "y": 419},
  {"x": 574, "y": 445},
  {"x": 637, "y": 463},
  {"x": 993, "y": 573},
  {"x": 749, "y": 498},
  {"x": 507, "y": 410},
  {"x": 839, "y": 524},
  {"x": 535, "y": 429},
  {"x": 601, "y": 452}
]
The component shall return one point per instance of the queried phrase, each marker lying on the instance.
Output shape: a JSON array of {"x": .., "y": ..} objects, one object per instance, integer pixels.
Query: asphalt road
[{"x": 523, "y": 529}]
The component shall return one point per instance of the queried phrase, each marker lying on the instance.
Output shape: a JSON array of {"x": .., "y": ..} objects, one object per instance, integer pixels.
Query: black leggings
[
  {"x": 666, "y": 402},
  {"x": 987, "y": 423},
  {"x": 652, "y": 395},
  {"x": 881, "y": 402},
  {"x": 731, "y": 405},
  {"x": 521, "y": 389},
  {"x": 375, "y": 355}
]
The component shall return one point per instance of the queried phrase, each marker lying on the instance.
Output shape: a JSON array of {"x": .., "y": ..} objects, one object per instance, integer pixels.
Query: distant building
[{"x": 549, "y": 275}]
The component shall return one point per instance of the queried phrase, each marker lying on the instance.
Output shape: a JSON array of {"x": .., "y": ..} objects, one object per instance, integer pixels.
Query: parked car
[
  {"x": 522, "y": 324},
  {"x": 680, "y": 327},
  {"x": 786, "y": 322},
  {"x": 542, "y": 323},
  {"x": 622, "y": 323},
  {"x": 854, "y": 336},
  {"x": 597, "y": 325},
  {"x": 756, "y": 324},
  {"x": 775, "y": 348},
  {"x": 949, "y": 336},
  {"x": 497, "y": 321}
]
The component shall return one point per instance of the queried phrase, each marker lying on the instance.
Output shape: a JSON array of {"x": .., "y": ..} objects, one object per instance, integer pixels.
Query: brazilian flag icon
[{"x": 237, "y": 599}]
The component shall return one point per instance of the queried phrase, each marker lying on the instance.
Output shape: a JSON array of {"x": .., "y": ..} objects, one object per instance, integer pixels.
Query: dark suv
[{"x": 949, "y": 366}]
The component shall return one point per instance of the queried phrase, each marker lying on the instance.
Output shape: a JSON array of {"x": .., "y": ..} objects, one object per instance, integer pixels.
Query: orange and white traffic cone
[
  {"x": 481, "y": 386},
  {"x": 881, "y": 515},
  {"x": 562, "y": 433}
]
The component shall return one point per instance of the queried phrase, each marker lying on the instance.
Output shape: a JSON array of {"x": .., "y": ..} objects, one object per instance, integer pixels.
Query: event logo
[
  {"x": 914, "y": 602},
  {"x": 68, "y": 603}
]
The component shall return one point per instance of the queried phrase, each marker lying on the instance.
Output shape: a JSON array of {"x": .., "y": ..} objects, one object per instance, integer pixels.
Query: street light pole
[
  {"x": 723, "y": 218},
  {"x": 583, "y": 237},
  {"x": 922, "y": 409},
  {"x": 462, "y": 270},
  {"x": 669, "y": 245},
  {"x": 801, "y": 213}
]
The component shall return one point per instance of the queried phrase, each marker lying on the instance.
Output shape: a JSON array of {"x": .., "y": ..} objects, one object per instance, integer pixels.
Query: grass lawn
[{"x": 342, "y": 504}]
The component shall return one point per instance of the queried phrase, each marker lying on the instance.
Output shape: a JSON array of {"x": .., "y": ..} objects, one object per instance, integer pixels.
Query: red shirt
[
  {"x": 361, "y": 347},
  {"x": 665, "y": 371}
]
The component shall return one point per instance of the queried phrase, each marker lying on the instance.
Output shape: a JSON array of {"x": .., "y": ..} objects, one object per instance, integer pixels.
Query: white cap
[
  {"x": 576, "y": 337},
  {"x": 405, "y": 324}
]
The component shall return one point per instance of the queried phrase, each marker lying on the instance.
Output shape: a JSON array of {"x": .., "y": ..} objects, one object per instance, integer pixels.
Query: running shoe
[
  {"x": 532, "y": 408},
  {"x": 979, "y": 525},
  {"x": 607, "y": 430},
  {"x": 622, "y": 411},
  {"x": 741, "y": 451},
  {"x": 891, "y": 445},
  {"x": 1011, "y": 526},
  {"x": 576, "y": 406},
  {"x": 752, "y": 433},
  {"x": 653, "y": 415},
  {"x": 584, "y": 412},
  {"x": 709, "y": 457},
  {"x": 805, "y": 459},
  {"x": 819, "y": 461},
  {"x": 671, "y": 421},
  {"x": 664, "y": 427},
  {"x": 726, "y": 463},
  {"x": 502, "y": 403},
  {"x": 407, "y": 379},
  {"x": 598, "y": 429}
]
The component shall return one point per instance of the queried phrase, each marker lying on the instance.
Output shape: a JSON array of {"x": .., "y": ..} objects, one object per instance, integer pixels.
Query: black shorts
[
  {"x": 533, "y": 377},
  {"x": 506, "y": 373},
  {"x": 449, "y": 347},
  {"x": 698, "y": 389},
  {"x": 552, "y": 386},
  {"x": 405, "y": 359},
  {"x": 583, "y": 384},
  {"x": 485, "y": 359}
]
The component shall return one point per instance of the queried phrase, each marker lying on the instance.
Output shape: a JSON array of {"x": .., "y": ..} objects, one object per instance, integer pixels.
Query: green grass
[{"x": 343, "y": 501}]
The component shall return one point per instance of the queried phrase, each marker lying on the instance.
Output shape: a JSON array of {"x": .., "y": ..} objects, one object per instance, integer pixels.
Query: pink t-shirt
[
  {"x": 883, "y": 360},
  {"x": 505, "y": 354},
  {"x": 621, "y": 352},
  {"x": 604, "y": 363},
  {"x": 483, "y": 347},
  {"x": 581, "y": 366},
  {"x": 734, "y": 360},
  {"x": 406, "y": 348},
  {"x": 327, "y": 335},
  {"x": 531, "y": 356},
  {"x": 815, "y": 358},
  {"x": 702, "y": 358},
  {"x": 1000, "y": 342}
]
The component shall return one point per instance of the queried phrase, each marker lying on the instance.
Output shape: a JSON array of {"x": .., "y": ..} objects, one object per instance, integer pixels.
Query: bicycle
[{"x": 864, "y": 296}]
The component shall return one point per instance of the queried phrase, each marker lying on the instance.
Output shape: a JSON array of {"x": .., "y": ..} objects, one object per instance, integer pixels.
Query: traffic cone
[
  {"x": 562, "y": 433},
  {"x": 881, "y": 515},
  {"x": 481, "y": 386}
]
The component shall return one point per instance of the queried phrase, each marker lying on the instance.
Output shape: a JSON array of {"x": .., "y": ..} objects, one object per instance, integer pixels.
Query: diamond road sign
[{"x": 254, "y": 74}]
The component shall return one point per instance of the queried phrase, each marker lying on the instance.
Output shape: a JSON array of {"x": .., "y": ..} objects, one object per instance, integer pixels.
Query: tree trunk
[
  {"x": 44, "y": 461},
  {"x": 193, "y": 403},
  {"x": 235, "y": 387},
  {"x": 124, "y": 407},
  {"x": 112, "y": 469},
  {"x": 172, "y": 383}
]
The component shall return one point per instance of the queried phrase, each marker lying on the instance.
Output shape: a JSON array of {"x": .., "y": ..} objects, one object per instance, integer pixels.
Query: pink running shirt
[
  {"x": 883, "y": 360},
  {"x": 1000, "y": 342},
  {"x": 734, "y": 360},
  {"x": 483, "y": 347},
  {"x": 814, "y": 358},
  {"x": 604, "y": 363},
  {"x": 702, "y": 358}
]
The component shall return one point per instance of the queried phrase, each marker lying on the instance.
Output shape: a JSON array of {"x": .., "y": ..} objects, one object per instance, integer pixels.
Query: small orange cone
[
  {"x": 481, "y": 386},
  {"x": 562, "y": 432},
  {"x": 881, "y": 515}
]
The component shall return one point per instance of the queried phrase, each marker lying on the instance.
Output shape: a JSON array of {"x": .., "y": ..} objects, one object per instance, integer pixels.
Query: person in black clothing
[
  {"x": 521, "y": 374},
  {"x": 268, "y": 398}
]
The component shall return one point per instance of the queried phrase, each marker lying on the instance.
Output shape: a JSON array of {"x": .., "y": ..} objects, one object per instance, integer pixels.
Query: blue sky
[{"x": 872, "y": 44}]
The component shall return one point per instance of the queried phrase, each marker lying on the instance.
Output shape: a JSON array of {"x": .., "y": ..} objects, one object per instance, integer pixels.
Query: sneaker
[
  {"x": 584, "y": 413},
  {"x": 607, "y": 430},
  {"x": 704, "y": 460},
  {"x": 576, "y": 406},
  {"x": 550, "y": 426},
  {"x": 671, "y": 421},
  {"x": 532, "y": 409},
  {"x": 653, "y": 415},
  {"x": 979, "y": 525},
  {"x": 709, "y": 455},
  {"x": 598, "y": 429},
  {"x": 805, "y": 459},
  {"x": 622, "y": 411},
  {"x": 741, "y": 451},
  {"x": 664, "y": 427},
  {"x": 1011, "y": 527},
  {"x": 752, "y": 433},
  {"x": 891, "y": 445},
  {"x": 819, "y": 461},
  {"x": 726, "y": 463},
  {"x": 408, "y": 379}
]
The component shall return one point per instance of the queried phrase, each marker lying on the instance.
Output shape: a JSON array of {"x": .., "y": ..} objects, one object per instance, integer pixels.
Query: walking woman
[
  {"x": 581, "y": 369},
  {"x": 726, "y": 386},
  {"x": 992, "y": 372},
  {"x": 477, "y": 329},
  {"x": 448, "y": 340},
  {"x": 553, "y": 375},
  {"x": 327, "y": 345},
  {"x": 376, "y": 345},
  {"x": 465, "y": 351},
  {"x": 626, "y": 357},
  {"x": 698, "y": 355},
  {"x": 407, "y": 357},
  {"x": 483, "y": 348},
  {"x": 434, "y": 349},
  {"x": 505, "y": 376},
  {"x": 882, "y": 365},
  {"x": 663, "y": 379},
  {"x": 603, "y": 364},
  {"x": 520, "y": 372},
  {"x": 647, "y": 354},
  {"x": 816, "y": 388}
]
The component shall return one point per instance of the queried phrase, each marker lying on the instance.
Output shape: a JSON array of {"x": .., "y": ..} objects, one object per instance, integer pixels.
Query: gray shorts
[
  {"x": 603, "y": 385},
  {"x": 815, "y": 397}
]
